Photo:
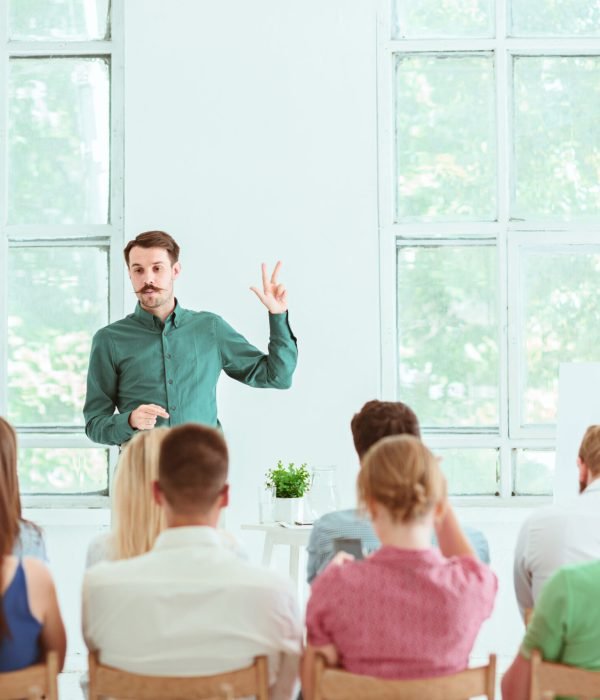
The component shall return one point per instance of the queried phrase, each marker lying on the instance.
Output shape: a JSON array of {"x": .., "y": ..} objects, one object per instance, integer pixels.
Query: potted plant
[{"x": 289, "y": 484}]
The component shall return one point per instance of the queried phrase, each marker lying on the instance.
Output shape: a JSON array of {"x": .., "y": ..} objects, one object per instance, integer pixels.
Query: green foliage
[
  {"x": 448, "y": 334},
  {"x": 58, "y": 173},
  {"x": 290, "y": 481}
]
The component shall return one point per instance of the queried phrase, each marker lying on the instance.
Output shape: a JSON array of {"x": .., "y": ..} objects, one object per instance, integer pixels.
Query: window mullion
[{"x": 3, "y": 209}]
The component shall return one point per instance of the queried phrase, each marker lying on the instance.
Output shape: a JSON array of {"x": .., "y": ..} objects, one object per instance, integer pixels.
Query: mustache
[{"x": 148, "y": 288}]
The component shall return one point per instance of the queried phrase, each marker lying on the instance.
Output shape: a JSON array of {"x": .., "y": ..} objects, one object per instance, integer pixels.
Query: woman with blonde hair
[
  {"x": 409, "y": 610},
  {"x": 136, "y": 519},
  {"x": 30, "y": 620}
]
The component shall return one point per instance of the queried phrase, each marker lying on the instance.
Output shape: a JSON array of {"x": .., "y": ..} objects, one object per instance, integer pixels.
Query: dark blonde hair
[
  {"x": 589, "y": 450},
  {"x": 401, "y": 474},
  {"x": 154, "y": 239},
  {"x": 137, "y": 519}
]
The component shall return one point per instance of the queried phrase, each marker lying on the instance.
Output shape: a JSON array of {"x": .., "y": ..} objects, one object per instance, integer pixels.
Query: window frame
[
  {"x": 110, "y": 234},
  {"x": 505, "y": 233}
]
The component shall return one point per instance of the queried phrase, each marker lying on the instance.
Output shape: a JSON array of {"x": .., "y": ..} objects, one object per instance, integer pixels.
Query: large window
[
  {"x": 490, "y": 225},
  {"x": 61, "y": 216}
]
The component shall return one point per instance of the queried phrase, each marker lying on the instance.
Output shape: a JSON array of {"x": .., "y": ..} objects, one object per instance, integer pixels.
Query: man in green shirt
[
  {"x": 565, "y": 627},
  {"x": 160, "y": 364}
]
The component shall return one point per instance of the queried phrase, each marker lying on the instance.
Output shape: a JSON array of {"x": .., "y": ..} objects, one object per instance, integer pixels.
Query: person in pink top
[{"x": 408, "y": 610}]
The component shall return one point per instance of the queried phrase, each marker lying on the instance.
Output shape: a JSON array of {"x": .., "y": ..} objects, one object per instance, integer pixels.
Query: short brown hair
[
  {"x": 589, "y": 450},
  {"x": 154, "y": 239},
  {"x": 192, "y": 467},
  {"x": 379, "y": 419},
  {"x": 401, "y": 474}
]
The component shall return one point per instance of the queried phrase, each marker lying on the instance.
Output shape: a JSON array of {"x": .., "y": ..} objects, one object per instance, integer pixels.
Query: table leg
[
  {"x": 294, "y": 560},
  {"x": 267, "y": 549}
]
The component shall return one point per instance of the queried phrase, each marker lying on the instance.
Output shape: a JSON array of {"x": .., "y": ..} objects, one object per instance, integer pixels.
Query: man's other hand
[{"x": 144, "y": 416}]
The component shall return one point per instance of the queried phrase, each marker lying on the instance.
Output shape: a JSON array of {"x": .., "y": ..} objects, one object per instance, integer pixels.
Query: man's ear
[
  {"x": 176, "y": 269},
  {"x": 224, "y": 496},
  {"x": 584, "y": 473},
  {"x": 157, "y": 493}
]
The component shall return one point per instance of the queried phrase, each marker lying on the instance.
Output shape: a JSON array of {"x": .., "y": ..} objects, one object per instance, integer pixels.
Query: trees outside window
[
  {"x": 61, "y": 228},
  {"x": 490, "y": 225}
]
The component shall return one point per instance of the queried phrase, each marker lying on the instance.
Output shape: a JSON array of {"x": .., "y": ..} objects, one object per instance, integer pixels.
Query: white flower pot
[{"x": 288, "y": 510}]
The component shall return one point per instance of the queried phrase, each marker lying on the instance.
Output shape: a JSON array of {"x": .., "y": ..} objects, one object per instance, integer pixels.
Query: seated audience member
[
  {"x": 190, "y": 606},
  {"x": 30, "y": 621},
  {"x": 137, "y": 519},
  {"x": 408, "y": 610},
  {"x": 375, "y": 420},
  {"x": 557, "y": 535},
  {"x": 26, "y": 537},
  {"x": 565, "y": 627}
]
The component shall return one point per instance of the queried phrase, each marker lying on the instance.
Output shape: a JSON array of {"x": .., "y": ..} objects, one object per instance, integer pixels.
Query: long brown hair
[{"x": 10, "y": 502}]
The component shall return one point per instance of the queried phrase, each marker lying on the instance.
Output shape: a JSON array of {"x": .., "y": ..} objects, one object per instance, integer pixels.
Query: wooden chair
[
  {"x": 549, "y": 680},
  {"x": 114, "y": 683},
  {"x": 334, "y": 684},
  {"x": 32, "y": 682}
]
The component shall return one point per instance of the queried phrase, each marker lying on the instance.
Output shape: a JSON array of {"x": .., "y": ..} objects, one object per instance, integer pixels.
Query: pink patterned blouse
[{"x": 401, "y": 613}]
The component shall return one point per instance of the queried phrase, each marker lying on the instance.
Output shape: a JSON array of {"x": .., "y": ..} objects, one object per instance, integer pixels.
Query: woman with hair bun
[{"x": 409, "y": 610}]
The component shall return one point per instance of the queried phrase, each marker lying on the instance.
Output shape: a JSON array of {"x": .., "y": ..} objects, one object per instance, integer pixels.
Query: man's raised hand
[
  {"x": 273, "y": 295},
  {"x": 144, "y": 416}
]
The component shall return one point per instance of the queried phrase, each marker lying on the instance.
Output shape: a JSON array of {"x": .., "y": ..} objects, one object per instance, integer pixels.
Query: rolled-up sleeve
[
  {"x": 243, "y": 361},
  {"x": 102, "y": 424}
]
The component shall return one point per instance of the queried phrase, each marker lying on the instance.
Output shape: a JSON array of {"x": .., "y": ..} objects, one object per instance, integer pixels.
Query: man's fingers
[
  {"x": 275, "y": 272},
  {"x": 280, "y": 291},
  {"x": 259, "y": 294},
  {"x": 265, "y": 276},
  {"x": 151, "y": 409}
]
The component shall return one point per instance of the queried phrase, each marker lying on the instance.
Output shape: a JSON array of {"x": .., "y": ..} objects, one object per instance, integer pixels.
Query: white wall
[{"x": 251, "y": 136}]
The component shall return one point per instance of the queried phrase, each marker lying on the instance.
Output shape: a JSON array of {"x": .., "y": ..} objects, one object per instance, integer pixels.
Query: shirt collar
[
  {"x": 151, "y": 321},
  {"x": 594, "y": 486},
  {"x": 193, "y": 536}
]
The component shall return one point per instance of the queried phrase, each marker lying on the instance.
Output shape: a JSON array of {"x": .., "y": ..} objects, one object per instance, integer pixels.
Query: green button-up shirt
[{"x": 176, "y": 365}]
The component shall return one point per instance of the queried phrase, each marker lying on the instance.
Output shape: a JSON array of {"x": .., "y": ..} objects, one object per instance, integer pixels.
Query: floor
[{"x": 68, "y": 686}]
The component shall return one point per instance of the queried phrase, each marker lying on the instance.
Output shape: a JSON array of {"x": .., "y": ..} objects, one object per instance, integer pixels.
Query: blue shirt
[
  {"x": 30, "y": 542},
  {"x": 351, "y": 524}
]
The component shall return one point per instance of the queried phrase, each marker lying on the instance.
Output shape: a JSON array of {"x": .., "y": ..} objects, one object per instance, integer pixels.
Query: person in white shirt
[
  {"x": 191, "y": 606},
  {"x": 557, "y": 535}
]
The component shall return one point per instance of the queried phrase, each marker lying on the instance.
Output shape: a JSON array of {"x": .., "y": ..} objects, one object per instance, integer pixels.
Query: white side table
[{"x": 294, "y": 536}]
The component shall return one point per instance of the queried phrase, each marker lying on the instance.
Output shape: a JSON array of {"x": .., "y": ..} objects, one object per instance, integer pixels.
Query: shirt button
[
  {"x": 173, "y": 408},
  {"x": 170, "y": 381},
  {"x": 168, "y": 356}
]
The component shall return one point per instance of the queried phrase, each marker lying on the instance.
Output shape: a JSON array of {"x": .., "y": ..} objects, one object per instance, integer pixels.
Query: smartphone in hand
[{"x": 351, "y": 545}]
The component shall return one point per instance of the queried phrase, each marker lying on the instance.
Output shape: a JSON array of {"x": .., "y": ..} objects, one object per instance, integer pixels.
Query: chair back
[
  {"x": 549, "y": 679},
  {"x": 115, "y": 683},
  {"x": 33, "y": 682},
  {"x": 334, "y": 684}
]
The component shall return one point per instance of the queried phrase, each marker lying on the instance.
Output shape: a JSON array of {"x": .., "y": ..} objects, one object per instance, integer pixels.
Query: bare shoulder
[{"x": 37, "y": 574}]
